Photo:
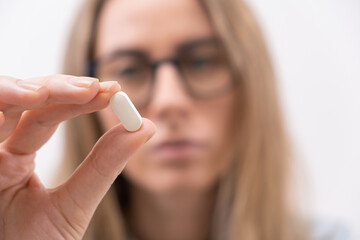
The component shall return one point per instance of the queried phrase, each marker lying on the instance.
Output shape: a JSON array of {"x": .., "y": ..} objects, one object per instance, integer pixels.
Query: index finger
[{"x": 18, "y": 95}]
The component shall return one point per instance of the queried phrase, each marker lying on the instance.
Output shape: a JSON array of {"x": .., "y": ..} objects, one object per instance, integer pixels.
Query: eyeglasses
[{"x": 202, "y": 65}]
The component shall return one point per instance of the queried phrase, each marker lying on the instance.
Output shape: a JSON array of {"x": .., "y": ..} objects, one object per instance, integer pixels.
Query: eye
[
  {"x": 129, "y": 72},
  {"x": 204, "y": 61}
]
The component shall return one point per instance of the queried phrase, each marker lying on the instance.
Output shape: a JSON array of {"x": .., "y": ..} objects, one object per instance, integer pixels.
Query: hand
[{"x": 30, "y": 112}]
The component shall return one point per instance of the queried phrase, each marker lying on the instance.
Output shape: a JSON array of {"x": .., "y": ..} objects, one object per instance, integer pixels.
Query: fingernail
[
  {"x": 110, "y": 86},
  {"x": 33, "y": 86},
  {"x": 85, "y": 82}
]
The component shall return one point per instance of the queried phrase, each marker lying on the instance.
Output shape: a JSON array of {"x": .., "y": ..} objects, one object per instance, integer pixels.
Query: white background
[{"x": 315, "y": 45}]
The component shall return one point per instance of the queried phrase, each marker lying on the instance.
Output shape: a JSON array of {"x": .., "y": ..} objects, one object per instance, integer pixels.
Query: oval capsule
[{"x": 126, "y": 111}]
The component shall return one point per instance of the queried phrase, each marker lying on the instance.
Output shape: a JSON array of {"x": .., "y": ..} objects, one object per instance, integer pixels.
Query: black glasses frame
[{"x": 93, "y": 65}]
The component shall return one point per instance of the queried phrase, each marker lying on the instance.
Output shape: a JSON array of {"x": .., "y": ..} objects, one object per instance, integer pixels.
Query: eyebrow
[{"x": 142, "y": 53}]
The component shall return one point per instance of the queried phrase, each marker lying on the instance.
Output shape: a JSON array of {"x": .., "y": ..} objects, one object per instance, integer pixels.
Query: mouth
[{"x": 176, "y": 150}]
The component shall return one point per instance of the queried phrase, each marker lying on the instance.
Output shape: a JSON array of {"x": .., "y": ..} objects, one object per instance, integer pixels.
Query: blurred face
[{"x": 190, "y": 148}]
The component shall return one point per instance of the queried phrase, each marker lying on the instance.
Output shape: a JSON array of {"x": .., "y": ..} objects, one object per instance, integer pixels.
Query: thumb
[{"x": 82, "y": 193}]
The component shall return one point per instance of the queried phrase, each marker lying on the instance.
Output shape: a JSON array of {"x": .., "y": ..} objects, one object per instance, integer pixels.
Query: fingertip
[
  {"x": 86, "y": 89},
  {"x": 110, "y": 87},
  {"x": 149, "y": 128},
  {"x": 144, "y": 133},
  {"x": 127, "y": 141},
  {"x": 84, "y": 82}
]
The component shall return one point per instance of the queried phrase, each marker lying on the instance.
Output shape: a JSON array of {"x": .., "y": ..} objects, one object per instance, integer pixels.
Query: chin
[
  {"x": 174, "y": 182},
  {"x": 180, "y": 175}
]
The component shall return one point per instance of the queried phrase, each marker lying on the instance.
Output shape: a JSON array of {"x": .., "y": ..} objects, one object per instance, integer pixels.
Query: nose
[{"x": 170, "y": 99}]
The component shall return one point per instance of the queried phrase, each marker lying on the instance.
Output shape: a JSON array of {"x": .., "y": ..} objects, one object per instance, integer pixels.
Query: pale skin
[
  {"x": 170, "y": 198},
  {"x": 168, "y": 201},
  {"x": 27, "y": 209}
]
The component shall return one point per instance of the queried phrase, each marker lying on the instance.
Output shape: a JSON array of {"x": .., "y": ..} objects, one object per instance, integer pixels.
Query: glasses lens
[
  {"x": 205, "y": 70},
  {"x": 133, "y": 73}
]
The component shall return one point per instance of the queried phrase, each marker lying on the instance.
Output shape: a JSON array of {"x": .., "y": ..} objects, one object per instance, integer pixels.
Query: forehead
[{"x": 155, "y": 26}]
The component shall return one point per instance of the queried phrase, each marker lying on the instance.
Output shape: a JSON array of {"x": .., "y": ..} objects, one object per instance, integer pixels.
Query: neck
[{"x": 170, "y": 216}]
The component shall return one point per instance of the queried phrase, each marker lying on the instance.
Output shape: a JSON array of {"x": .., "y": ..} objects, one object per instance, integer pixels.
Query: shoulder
[{"x": 324, "y": 230}]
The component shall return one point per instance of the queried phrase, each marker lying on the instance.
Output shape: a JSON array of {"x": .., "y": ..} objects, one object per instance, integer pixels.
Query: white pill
[{"x": 126, "y": 111}]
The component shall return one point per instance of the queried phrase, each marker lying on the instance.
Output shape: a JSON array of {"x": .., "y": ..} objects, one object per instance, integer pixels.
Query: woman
[{"x": 217, "y": 166}]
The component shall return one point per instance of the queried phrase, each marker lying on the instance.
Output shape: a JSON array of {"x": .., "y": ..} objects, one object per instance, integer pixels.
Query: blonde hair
[{"x": 252, "y": 201}]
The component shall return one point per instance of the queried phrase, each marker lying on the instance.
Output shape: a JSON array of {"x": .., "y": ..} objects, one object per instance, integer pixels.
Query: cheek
[
  {"x": 218, "y": 124},
  {"x": 217, "y": 118}
]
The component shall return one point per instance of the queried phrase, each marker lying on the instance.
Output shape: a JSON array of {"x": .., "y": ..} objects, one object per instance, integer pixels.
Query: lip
[{"x": 180, "y": 149}]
